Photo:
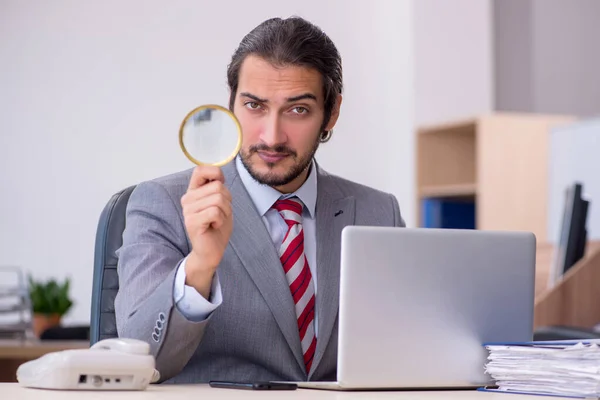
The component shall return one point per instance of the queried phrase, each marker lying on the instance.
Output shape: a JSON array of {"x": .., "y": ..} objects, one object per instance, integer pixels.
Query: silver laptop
[{"x": 416, "y": 305}]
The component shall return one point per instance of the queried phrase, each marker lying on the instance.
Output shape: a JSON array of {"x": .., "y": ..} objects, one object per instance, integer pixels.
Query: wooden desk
[
  {"x": 15, "y": 352},
  {"x": 187, "y": 392},
  {"x": 573, "y": 300}
]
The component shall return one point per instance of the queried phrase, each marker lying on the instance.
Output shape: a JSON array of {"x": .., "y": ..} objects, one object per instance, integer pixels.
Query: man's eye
[
  {"x": 252, "y": 105},
  {"x": 300, "y": 110}
]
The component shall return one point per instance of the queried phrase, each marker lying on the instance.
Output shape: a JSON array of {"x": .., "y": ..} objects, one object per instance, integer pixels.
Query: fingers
[
  {"x": 212, "y": 194},
  {"x": 203, "y": 174},
  {"x": 219, "y": 200},
  {"x": 204, "y": 191},
  {"x": 207, "y": 202},
  {"x": 203, "y": 220}
]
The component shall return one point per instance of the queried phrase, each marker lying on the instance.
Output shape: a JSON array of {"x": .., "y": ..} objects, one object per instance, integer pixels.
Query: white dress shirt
[{"x": 192, "y": 304}]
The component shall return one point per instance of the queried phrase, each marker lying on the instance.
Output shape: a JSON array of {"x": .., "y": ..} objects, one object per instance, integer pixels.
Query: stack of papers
[{"x": 560, "y": 368}]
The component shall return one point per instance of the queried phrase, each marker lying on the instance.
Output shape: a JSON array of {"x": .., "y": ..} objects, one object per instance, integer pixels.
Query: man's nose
[{"x": 272, "y": 133}]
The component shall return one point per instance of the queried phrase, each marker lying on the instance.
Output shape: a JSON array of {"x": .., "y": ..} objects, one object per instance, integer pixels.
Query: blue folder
[
  {"x": 448, "y": 213},
  {"x": 493, "y": 390}
]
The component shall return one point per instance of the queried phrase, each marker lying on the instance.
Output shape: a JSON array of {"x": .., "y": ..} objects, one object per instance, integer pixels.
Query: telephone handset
[
  {"x": 110, "y": 364},
  {"x": 124, "y": 345}
]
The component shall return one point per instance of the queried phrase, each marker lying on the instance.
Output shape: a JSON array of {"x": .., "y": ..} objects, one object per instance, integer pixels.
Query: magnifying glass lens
[{"x": 210, "y": 135}]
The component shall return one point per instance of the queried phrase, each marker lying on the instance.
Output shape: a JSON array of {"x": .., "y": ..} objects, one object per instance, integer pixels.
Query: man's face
[{"x": 281, "y": 112}]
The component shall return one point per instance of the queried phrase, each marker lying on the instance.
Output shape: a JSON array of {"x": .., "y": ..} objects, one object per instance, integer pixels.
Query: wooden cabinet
[{"x": 498, "y": 161}]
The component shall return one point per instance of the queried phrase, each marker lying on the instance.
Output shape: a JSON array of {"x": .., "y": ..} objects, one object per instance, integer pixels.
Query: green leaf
[{"x": 50, "y": 297}]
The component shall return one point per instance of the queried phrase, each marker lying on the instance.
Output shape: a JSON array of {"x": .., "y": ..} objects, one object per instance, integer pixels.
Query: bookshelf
[{"x": 498, "y": 163}]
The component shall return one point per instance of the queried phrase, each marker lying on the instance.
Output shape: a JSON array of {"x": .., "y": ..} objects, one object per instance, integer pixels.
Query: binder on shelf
[{"x": 448, "y": 213}]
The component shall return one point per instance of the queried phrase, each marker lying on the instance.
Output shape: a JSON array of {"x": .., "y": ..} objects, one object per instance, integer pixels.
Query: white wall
[
  {"x": 93, "y": 93},
  {"x": 453, "y": 59},
  {"x": 566, "y": 60},
  {"x": 547, "y": 57}
]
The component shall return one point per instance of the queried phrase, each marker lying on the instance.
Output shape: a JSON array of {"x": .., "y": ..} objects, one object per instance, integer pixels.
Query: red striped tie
[{"x": 297, "y": 272}]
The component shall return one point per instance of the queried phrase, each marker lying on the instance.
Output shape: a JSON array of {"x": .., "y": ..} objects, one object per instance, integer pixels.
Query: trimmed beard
[{"x": 270, "y": 178}]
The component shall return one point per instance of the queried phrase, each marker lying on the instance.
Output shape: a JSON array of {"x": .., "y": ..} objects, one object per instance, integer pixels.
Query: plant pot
[{"x": 41, "y": 322}]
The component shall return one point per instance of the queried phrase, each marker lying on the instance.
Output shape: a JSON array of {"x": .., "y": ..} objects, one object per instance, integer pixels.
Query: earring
[{"x": 326, "y": 135}]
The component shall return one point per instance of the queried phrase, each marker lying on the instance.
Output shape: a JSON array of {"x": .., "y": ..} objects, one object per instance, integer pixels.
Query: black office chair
[{"x": 109, "y": 237}]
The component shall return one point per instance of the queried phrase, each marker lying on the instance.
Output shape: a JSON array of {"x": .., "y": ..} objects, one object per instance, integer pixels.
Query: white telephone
[{"x": 110, "y": 364}]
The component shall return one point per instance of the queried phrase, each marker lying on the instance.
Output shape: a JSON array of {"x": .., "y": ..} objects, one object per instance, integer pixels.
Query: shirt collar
[{"x": 264, "y": 196}]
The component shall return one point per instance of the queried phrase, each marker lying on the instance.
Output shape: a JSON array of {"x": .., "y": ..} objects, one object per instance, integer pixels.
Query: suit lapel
[
  {"x": 253, "y": 245},
  {"x": 334, "y": 211}
]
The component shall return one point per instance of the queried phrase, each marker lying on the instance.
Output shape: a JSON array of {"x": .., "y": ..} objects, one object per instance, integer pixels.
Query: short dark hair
[{"x": 292, "y": 41}]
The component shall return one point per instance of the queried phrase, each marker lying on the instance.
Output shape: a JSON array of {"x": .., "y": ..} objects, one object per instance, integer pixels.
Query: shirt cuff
[{"x": 192, "y": 304}]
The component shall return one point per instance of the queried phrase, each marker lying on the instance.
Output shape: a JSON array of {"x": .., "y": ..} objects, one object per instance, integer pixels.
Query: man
[{"x": 232, "y": 273}]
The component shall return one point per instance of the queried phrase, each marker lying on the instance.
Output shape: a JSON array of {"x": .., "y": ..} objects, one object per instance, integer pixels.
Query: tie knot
[{"x": 290, "y": 209}]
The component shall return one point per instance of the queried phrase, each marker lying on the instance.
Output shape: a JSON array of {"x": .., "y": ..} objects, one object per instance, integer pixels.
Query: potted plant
[{"x": 50, "y": 301}]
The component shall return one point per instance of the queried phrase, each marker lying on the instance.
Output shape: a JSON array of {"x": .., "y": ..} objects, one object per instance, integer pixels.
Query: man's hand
[{"x": 209, "y": 221}]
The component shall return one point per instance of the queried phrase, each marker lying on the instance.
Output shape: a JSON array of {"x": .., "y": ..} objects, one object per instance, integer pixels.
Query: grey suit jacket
[{"x": 253, "y": 335}]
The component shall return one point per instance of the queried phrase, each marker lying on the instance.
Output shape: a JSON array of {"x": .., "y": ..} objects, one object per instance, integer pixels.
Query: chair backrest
[{"x": 109, "y": 237}]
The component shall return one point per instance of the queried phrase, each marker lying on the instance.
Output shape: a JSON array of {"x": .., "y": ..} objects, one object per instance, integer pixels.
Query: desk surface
[
  {"x": 30, "y": 349},
  {"x": 187, "y": 392}
]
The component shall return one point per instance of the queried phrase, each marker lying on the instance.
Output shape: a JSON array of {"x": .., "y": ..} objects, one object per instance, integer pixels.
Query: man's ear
[{"x": 335, "y": 113}]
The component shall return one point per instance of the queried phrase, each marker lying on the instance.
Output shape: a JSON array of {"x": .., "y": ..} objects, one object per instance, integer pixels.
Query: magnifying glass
[{"x": 210, "y": 135}]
